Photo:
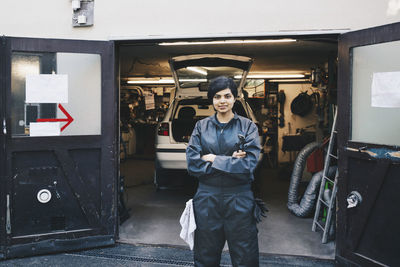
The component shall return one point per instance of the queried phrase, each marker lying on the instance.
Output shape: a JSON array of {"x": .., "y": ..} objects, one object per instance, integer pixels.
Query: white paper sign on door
[
  {"x": 46, "y": 88},
  {"x": 385, "y": 90},
  {"x": 44, "y": 129}
]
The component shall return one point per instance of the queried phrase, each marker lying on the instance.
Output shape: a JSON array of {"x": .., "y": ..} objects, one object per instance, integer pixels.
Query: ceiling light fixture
[
  {"x": 288, "y": 80},
  {"x": 151, "y": 81},
  {"x": 271, "y": 76},
  {"x": 285, "y": 40},
  {"x": 161, "y": 81}
]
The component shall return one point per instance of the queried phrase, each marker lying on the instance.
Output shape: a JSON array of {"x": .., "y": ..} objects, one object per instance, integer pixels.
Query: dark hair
[{"x": 220, "y": 83}]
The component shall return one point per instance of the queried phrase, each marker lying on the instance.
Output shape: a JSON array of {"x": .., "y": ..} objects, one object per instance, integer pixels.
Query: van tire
[{"x": 159, "y": 179}]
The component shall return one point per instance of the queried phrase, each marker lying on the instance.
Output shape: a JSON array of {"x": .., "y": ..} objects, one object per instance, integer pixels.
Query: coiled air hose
[{"x": 309, "y": 198}]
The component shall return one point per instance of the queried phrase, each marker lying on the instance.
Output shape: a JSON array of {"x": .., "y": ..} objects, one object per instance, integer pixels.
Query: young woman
[{"x": 224, "y": 203}]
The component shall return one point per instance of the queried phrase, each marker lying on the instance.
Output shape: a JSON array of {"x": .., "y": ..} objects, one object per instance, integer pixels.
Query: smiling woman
[
  {"x": 223, "y": 103},
  {"x": 224, "y": 202}
]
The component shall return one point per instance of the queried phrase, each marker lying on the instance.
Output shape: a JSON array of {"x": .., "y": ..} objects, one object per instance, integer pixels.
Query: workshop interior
[{"x": 291, "y": 89}]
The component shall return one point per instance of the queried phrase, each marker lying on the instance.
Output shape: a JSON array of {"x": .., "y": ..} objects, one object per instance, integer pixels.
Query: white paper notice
[
  {"x": 44, "y": 128},
  {"x": 158, "y": 90},
  {"x": 385, "y": 90},
  {"x": 47, "y": 88},
  {"x": 149, "y": 101}
]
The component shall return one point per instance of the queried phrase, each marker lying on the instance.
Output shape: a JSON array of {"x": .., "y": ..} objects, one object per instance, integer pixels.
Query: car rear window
[
  {"x": 203, "y": 108},
  {"x": 189, "y": 111},
  {"x": 201, "y": 111}
]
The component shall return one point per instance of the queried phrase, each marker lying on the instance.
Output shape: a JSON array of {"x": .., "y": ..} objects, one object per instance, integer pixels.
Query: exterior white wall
[{"x": 133, "y": 19}]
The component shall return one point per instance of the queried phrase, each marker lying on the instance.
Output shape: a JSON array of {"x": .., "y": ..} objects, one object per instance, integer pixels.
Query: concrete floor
[{"x": 155, "y": 215}]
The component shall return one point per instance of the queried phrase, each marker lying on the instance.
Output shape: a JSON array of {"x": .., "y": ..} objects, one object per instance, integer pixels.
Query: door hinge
[
  {"x": 4, "y": 126},
  {"x": 8, "y": 217}
]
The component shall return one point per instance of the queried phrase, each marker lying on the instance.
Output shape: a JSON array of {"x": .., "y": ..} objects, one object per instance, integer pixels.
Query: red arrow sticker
[{"x": 69, "y": 119}]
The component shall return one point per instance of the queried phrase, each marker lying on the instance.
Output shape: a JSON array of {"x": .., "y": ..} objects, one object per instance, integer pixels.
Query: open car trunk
[{"x": 198, "y": 70}]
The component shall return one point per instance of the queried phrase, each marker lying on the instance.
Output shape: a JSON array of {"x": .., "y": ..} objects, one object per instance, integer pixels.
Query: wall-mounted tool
[
  {"x": 302, "y": 104},
  {"x": 281, "y": 101},
  {"x": 240, "y": 145}
]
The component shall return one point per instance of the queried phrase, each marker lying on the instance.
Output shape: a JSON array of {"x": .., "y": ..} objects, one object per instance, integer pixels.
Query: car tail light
[{"x": 163, "y": 129}]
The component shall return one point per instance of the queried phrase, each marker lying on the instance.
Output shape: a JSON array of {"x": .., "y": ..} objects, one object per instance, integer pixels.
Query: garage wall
[
  {"x": 296, "y": 121},
  {"x": 130, "y": 19}
]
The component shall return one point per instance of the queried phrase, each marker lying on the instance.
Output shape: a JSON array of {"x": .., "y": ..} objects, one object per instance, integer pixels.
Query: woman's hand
[
  {"x": 208, "y": 157},
  {"x": 239, "y": 154}
]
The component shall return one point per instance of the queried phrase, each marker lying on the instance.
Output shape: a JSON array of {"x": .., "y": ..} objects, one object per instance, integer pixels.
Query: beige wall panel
[
  {"x": 296, "y": 121},
  {"x": 132, "y": 19}
]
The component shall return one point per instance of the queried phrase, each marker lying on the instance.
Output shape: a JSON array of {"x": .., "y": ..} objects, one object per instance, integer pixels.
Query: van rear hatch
[{"x": 195, "y": 71}]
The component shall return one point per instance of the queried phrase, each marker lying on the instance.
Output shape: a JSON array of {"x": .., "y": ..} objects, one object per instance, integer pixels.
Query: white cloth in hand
[{"x": 188, "y": 224}]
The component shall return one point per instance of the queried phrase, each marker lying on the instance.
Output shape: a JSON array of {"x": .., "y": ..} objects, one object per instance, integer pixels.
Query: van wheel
[
  {"x": 159, "y": 177},
  {"x": 155, "y": 180},
  {"x": 157, "y": 187}
]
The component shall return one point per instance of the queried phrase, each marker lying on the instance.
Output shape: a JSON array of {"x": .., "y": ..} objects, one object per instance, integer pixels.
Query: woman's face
[{"x": 223, "y": 101}]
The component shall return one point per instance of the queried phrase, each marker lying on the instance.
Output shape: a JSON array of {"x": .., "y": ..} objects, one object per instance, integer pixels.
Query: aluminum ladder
[{"x": 330, "y": 203}]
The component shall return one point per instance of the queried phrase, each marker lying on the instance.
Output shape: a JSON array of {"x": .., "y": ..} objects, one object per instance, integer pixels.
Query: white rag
[{"x": 188, "y": 224}]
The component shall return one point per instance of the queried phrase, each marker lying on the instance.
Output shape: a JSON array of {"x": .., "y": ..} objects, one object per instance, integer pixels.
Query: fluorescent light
[
  {"x": 286, "y": 40},
  {"x": 151, "y": 81},
  {"x": 162, "y": 81},
  {"x": 193, "y": 80},
  {"x": 198, "y": 70},
  {"x": 270, "y": 76},
  {"x": 289, "y": 80}
]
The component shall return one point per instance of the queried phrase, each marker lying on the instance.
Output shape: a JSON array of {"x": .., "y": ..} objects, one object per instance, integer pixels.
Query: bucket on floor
[{"x": 130, "y": 140}]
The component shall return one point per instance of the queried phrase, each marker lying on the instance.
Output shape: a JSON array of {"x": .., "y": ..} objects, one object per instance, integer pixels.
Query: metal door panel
[
  {"x": 381, "y": 234},
  {"x": 372, "y": 229},
  {"x": 54, "y": 171},
  {"x": 77, "y": 171},
  {"x": 367, "y": 234}
]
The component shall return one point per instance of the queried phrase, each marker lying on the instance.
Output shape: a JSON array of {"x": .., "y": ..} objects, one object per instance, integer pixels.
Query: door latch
[
  {"x": 353, "y": 199},
  {"x": 4, "y": 126},
  {"x": 8, "y": 217}
]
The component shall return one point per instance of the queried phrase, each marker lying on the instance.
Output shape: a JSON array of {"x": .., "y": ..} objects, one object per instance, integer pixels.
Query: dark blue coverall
[{"x": 224, "y": 202}]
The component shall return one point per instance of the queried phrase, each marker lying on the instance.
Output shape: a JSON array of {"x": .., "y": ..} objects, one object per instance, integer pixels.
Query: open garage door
[
  {"x": 369, "y": 157},
  {"x": 58, "y": 188}
]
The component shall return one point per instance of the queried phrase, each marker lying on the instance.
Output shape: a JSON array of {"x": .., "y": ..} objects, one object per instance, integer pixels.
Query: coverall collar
[{"x": 215, "y": 120}]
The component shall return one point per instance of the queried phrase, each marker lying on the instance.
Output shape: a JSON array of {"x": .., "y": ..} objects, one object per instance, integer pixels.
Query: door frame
[
  {"x": 347, "y": 41},
  {"x": 154, "y": 40},
  {"x": 107, "y": 233},
  {"x": 2, "y": 147}
]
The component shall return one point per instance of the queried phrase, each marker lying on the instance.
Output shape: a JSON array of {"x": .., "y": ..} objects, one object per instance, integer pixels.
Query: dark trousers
[{"x": 225, "y": 214}]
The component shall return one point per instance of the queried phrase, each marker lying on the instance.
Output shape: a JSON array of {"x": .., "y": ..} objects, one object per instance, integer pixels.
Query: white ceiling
[{"x": 149, "y": 60}]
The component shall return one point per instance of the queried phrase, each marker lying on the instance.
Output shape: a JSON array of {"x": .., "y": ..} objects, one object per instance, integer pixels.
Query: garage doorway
[{"x": 152, "y": 214}]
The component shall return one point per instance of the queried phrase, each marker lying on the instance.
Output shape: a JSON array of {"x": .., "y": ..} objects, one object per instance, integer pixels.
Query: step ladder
[{"x": 329, "y": 204}]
